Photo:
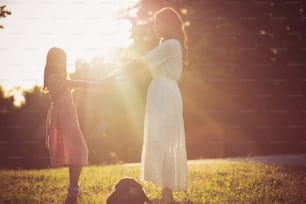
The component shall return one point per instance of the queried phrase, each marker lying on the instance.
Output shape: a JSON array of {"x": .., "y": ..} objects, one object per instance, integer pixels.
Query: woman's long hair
[
  {"x": 55, "y": 63},
  {"x": 173, "y": 27}
]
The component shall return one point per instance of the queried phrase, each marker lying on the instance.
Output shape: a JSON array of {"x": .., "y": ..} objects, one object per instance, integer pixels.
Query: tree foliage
[
  {"x": 245, "y": 85},
  {"x": 243, "y": 92},
  {"x": 4, "y": 13}
]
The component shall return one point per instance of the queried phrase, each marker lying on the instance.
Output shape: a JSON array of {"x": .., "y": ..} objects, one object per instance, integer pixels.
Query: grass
[{"x": 216, "y": 182}]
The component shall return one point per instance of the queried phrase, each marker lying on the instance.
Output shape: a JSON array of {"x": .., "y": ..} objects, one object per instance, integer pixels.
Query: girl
[
  {"x": 64, "y": 137},
  {"x": 164, "y": 160}
]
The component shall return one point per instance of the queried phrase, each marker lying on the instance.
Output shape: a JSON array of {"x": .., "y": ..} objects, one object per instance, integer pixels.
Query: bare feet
[{"x": 167, "y": 196}]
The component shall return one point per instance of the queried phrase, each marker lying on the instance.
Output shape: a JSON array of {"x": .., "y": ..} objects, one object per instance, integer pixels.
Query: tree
[
  {"x": 3, "y": 14},
  {"x": 246, "y": 61}
]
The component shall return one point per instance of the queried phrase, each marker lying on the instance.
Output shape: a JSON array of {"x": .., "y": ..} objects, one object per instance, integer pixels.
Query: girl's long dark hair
[
  {"x": 56, "y": 58},
  {"x": 174, "y": 24}
]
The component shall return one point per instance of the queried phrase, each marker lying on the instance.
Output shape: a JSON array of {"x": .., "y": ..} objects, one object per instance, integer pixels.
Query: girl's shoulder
[
  {"x": 55, "y": 78},
  {"x": 55, "y": 81}
]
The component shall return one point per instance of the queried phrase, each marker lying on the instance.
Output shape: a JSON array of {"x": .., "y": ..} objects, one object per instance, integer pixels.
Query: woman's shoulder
[{"x": 172, "y": 43}]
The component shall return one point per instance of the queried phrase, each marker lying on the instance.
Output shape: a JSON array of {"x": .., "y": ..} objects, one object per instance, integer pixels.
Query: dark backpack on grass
[{"x": 127, "y": 191}]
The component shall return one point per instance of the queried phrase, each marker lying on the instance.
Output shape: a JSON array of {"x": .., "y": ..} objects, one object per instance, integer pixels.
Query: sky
[{"x": 84, "y": 29}]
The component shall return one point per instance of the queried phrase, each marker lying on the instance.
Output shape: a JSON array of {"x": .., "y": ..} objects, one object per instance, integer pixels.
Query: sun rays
[{"x": 83, "y": 29}]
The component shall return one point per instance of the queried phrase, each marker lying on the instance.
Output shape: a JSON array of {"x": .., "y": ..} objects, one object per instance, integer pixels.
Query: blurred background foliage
[{"x": 244, "y": 90}]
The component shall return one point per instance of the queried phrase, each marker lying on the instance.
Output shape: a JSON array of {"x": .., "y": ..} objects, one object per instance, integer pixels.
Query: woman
[{"x": 164, "y": 160}]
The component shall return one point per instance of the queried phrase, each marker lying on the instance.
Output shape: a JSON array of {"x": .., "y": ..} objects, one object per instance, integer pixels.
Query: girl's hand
[{"x": 97, "y": 86}]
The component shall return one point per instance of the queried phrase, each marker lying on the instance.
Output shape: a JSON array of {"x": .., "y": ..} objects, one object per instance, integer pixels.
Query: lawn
[{"x": 213, "y": 182}]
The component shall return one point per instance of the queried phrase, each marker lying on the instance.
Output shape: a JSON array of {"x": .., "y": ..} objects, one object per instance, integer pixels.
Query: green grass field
[{"x": 215, "y": 182}]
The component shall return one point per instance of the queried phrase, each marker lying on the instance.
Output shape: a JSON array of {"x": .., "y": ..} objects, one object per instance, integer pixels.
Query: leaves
[{"x": 4, "y": 13}]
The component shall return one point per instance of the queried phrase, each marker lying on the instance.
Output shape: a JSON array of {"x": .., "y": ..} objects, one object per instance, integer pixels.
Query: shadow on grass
[
  {"x": 295, "y": 169},
  {"x": 159, "y": 201},
  {"x": 18, "y": 200},
  {"x": 73, "y": 200},
  {"x": 155, "y": 201}
]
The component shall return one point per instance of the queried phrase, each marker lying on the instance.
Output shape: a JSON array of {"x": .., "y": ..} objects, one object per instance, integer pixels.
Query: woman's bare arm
[{"x": 136, "y": 68}]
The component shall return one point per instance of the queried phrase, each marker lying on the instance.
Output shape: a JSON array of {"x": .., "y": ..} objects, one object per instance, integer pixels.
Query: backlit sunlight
[{"x": 83, "y": 29}]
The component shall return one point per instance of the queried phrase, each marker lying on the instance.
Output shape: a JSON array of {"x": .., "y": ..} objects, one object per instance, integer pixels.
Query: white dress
[{"x": 164, "y": 160}]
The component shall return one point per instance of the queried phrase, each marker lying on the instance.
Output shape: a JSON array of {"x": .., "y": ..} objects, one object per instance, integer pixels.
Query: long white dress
[{"x": 164, "y": 160}]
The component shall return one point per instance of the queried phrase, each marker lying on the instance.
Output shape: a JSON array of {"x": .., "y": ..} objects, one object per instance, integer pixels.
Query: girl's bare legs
[{"x": 74, "y": 174}]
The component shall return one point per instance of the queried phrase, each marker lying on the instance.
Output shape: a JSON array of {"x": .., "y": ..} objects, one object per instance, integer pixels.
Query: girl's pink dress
[{"x": 64, "y": 137}]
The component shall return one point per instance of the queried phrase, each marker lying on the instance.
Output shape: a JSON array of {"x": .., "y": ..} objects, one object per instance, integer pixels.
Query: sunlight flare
[
  {"x": 83, "y": 29},
  {"x": 18, "y": 94}
]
